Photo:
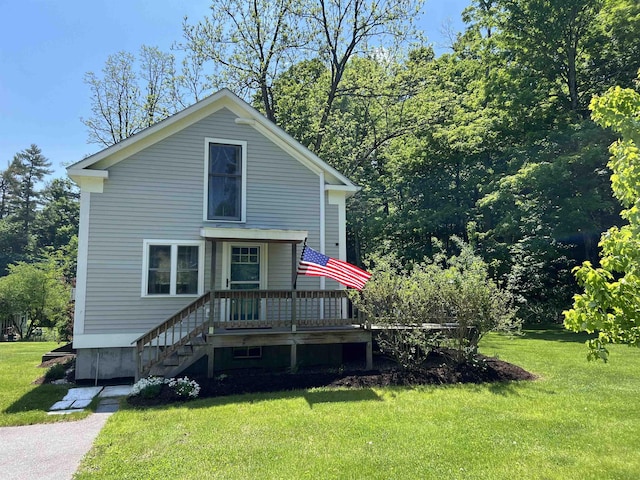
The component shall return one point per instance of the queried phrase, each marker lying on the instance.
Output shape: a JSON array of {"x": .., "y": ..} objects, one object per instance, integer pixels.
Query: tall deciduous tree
[
  {"x": 610, "y": 304},
  {"x": 247, "y": 44},
  {"x": 130, "y": 95}
]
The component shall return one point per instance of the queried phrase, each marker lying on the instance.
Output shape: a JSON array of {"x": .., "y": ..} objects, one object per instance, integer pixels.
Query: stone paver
[
  {"x": 82, "y": 393},
  {"x": 62, "y": 405},
  {"x": 116, "y": 391}
]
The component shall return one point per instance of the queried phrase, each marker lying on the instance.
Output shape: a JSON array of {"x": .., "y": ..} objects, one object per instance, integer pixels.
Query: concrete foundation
[{"x": 105, "y": 363}]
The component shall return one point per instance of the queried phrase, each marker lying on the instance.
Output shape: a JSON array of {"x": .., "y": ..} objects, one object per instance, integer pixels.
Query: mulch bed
[{"x": 437, "y": 371}]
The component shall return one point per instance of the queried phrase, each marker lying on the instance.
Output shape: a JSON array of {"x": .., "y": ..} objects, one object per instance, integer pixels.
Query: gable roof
[{"x": 95, "y": 165}]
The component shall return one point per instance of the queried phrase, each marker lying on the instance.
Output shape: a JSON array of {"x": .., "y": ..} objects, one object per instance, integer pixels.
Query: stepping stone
[
  {"x": 116, "y": 391},
  {"x": 107, "y": 407},
  {"x": 82, "y": 403},
  {"x": 82, "y": 393},
  {"x": 65, "y": 412},
  {"x": 62, "y": 405}
]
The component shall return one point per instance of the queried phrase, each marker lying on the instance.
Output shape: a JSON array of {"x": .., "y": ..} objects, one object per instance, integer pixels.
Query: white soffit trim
[{"x": 254, "y": 234}]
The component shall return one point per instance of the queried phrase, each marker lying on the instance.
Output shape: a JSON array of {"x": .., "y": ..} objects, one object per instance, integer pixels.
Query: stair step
[
  {"x": 171, "y": 361},
  {"x": 157, "y": 371},
  {"x": 185, "y": 350},
  {"x": 198, "y": 341}
]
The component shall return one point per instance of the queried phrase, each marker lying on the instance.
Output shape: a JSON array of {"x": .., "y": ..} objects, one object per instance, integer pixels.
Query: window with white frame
[
  {"x": 173, "y": 268},
  {"x": 225, "y": 179}
]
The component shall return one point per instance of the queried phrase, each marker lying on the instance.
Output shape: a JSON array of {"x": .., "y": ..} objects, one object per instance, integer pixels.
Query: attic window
[{"x": 226, "y": 172}]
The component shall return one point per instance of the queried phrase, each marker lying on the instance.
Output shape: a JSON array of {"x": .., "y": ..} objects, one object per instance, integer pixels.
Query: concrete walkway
[
  {"x": 50, "y": 451},
  {"x": 53, "y": 451}
]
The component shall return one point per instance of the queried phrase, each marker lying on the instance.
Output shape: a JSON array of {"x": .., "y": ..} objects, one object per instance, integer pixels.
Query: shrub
[
  {"x": 455, "y": 291},
  {"x": 151, "y": 387},
  {"x": 55, "y": 372},
  {"x": 183, "y": 387}
]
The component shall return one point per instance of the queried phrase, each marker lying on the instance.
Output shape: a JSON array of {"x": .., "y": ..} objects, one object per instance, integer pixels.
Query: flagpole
[{"x": 295, "y": 279}]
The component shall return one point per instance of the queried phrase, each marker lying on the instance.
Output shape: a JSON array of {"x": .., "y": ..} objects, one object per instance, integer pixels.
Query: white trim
[
  {"x": 223, "y": 99},
  {"x": 81, "y": 271},
  {"x": 323, "y": 229},
  {"x": 174, "y": 244},
  {"x": 243, "y": 181},
  {"x": 338, "y": 198},
  {"x": 253, "y": 234},
  {"x": 105, "y": 340},
  {"x": 87, "y": 173},
  {"x": 89, "y": 183}
]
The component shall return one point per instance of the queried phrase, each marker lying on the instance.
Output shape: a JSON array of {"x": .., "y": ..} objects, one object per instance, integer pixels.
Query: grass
[
  {"x": 22, "y": 402},
  {"x": 579, "y": 420}
]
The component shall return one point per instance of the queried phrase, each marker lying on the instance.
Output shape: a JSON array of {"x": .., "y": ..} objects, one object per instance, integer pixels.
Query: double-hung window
[
  {"x": 225, "y": 179},
  {"x": 173, "y": 268}
]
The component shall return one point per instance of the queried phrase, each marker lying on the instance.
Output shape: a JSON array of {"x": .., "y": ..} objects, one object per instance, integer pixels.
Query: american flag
[{"x": 316, "y": 264}]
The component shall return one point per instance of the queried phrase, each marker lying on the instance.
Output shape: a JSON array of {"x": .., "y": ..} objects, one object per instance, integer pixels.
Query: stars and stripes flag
[{"x": 316, "y": 264}]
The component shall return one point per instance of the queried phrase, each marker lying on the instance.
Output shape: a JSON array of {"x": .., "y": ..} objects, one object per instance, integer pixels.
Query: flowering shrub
[
  {"x": 151, "y": 387},
  {"x": 184, "y": 387}
]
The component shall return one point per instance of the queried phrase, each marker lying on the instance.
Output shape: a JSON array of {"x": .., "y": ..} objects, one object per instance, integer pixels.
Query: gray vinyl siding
[{"x": 158, "y": 194}]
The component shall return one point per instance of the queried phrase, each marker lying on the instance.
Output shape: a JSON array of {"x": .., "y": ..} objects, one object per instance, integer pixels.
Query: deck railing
[
  {"x": 281, "y": 308},
  {"x": 244, "y": 309}
]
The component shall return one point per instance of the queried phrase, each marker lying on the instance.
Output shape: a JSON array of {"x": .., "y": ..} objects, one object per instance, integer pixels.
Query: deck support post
[
  {"x": 370, "y": 355},
  {"x": 294, "y": 357},
  {"x": 210, "y": 361}
]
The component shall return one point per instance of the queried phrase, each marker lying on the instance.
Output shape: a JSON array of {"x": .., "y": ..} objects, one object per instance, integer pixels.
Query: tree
[
  {"x": 29, "y": 167},
  {"x": 129, "y": 96},
  {"x": 610, "y": 304},
  {"x": 57, "y": 222},
  {"x": 247, "y": 44},
  {"x": 36, "y": 291}
]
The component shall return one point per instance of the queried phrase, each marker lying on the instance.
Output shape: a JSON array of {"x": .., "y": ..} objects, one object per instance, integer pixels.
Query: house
[{"x": 190, "y": 233}]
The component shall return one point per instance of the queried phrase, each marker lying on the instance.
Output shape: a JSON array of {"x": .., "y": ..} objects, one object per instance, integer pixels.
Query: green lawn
[
  {"x": 578, "y": 421},
  {"x": 22, "y": 402}
]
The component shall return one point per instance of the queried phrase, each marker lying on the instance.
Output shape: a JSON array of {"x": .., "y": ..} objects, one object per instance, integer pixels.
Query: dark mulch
[{"x": 437, "y": 371}]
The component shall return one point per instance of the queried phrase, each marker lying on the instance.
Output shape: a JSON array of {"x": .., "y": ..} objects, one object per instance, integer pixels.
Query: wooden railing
[
  {"x": 281, "y": 308},
  {"x": 244, "y": 309},
  {"x": 162, "y": 341}
]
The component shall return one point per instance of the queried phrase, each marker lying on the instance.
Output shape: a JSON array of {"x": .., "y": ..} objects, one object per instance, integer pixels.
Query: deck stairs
[{"x": 181, "y": 359}]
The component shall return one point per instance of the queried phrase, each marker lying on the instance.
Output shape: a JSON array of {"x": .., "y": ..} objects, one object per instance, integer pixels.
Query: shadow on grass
[
  {"x": 339, "y": 396},
  {"x": 312, "y": 397},
  {"x": 39, "y": 398},
  {"x": 555, "y": 333}
]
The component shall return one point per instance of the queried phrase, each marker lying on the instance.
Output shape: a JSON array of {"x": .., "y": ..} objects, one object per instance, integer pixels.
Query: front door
[{"x": 245, "y": 274}]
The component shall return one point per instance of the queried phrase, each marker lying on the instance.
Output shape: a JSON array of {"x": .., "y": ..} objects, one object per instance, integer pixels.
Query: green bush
[
  {"x": 55, "y": 372},
  {"x": 454, "y": 292}
]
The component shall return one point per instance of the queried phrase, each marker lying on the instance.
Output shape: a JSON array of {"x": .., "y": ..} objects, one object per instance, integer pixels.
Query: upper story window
[{"x": 226, "y": 180}]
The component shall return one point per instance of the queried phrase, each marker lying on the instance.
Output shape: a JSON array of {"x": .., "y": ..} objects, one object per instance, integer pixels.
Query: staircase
[
  {"x": 176, "y": 343},
  {"x": 181, "y": 359}
]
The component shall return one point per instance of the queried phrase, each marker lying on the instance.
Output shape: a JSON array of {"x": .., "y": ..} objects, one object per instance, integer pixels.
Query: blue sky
[{"x": 47, "y": 46}]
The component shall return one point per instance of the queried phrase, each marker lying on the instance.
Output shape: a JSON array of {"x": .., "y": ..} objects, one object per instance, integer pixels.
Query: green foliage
[
  {"x": 610, "y": 304},
  {"x": 37, "y": 291},
  {"x": 55, "y": 372},
  {"x": 454, "y": 291}
]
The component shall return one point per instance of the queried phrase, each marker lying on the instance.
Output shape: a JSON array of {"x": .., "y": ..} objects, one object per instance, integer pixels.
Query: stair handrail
[{"x": 148, "y": 338}]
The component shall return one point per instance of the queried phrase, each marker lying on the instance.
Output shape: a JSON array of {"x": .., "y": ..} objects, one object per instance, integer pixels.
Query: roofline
[{"x": 224, "y": 96}]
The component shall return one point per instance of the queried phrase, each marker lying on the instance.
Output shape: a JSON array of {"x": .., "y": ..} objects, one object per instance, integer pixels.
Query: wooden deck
[{"x": 238, "y": 318}]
